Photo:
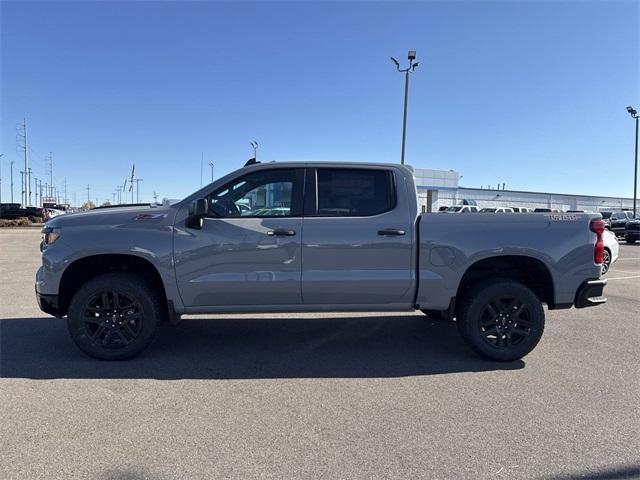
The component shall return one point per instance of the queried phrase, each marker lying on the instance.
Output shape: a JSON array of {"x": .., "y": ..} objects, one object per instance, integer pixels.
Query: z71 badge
[{"x": 559, "y": 217}]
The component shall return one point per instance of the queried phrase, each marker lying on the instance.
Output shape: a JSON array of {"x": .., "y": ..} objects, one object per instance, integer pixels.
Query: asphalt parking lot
[{"x": 319, "y": 396}]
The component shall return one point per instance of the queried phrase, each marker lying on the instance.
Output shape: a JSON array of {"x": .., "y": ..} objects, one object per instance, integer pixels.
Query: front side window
[
  {"x": 346, "y": 192},
  {"x": 267, "y": 193}
]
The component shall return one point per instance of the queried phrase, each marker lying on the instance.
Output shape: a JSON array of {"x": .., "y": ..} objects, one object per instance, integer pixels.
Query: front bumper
[
  {"x": 590, "y": 294},
  {"x": 49, "y": 304}
]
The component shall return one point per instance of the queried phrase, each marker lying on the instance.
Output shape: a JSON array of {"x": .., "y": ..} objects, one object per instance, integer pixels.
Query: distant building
[{"x": 438, "y": 188}]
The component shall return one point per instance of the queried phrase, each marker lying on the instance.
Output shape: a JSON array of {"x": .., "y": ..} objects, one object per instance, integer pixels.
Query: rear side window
[{"x": 354, "y": 192}]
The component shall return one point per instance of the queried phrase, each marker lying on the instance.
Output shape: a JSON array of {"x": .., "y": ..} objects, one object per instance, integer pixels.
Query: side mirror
[{"x": 197, "y": 211}]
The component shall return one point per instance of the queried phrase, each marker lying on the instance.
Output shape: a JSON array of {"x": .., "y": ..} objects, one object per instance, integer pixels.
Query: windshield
[{"x": 454, "y": 209}]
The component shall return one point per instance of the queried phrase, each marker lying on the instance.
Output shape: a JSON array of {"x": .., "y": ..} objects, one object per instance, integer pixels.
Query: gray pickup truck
[{"x": 307, "y": 237}]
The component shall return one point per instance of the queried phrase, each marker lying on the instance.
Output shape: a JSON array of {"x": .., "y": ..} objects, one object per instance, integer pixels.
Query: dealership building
[{"x": 437, "y": 188}]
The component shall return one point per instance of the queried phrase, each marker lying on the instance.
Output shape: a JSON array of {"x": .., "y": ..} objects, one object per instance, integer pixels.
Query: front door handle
[
  {"x": 391, "y": 232},
  {"x": 281, "y": 232}
]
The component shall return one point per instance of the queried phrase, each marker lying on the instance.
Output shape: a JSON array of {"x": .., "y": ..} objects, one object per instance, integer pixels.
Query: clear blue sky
[{"x": 528, "y": 93}]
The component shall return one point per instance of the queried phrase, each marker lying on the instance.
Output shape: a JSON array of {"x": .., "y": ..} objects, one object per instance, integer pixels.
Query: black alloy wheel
[{"x": 501, "y": 319}]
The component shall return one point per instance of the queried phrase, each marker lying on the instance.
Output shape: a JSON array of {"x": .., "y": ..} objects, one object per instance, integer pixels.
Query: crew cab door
[
  {"x": 357, "y": 240},
  {"x": 248, "y": 249}
]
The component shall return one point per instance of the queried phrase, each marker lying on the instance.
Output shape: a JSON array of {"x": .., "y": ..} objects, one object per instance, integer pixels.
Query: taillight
[{"x": 597, "y": 226}]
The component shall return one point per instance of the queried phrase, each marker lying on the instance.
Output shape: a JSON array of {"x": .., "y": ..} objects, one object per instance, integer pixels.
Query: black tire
[
  {"x": 606, "y": 263},
  {"x": 120, "y": 325},
  {"x": 501, "y": 319}
]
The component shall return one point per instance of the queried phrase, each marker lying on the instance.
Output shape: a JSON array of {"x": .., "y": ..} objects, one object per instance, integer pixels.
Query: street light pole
[
  {"x": 634, "y": 114},
  {"x": 11, "y": 167},
  {"x": 410, "y": 69},
  {"x": 211, "y": 165}
]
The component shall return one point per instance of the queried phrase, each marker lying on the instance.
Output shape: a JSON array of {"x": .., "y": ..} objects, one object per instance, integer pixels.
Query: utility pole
[
  {"x": 138, "y": 180},
  {"x": 29, "y": 184},
  {"x": 24, "y": 145},
  {"x": 1, "y": 155},
  {"x": 41, "y": 201},
  {"x": 11, "y": 167},
  {"x": 211, "y": 165},
  {"x": 51, "y": 172},
  {"x": 26, "y": 159},
  {"x": 412, "y": 66},
  {"x": 155, "y": 197},
  {"x": 65, "y": 191},
  {"x": 22, "y": 194},
  {"x": 35, "y": 187},
  {"x": 88, "y": 194},
  {"x": 634, "y": 114}
]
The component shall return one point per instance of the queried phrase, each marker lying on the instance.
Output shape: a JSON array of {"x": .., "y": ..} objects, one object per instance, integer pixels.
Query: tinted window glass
[
  {"x": 260, "y": 194},
  {"x": 354, "y": 192}
]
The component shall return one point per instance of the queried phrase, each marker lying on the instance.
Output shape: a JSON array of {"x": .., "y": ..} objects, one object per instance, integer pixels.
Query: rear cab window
[{"x": 354, "y": 192}]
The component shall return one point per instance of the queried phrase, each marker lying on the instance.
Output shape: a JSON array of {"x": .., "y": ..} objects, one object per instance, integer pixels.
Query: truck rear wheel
[
  {"x": 501, "y": 320},
  {"x": 115, "y": 316}
]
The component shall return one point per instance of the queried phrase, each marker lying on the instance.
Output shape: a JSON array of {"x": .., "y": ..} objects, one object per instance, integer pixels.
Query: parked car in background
[
  {"x": 619, "y": 220},
  {"x": 463, "y": 209},
  {"x": 12, "y": 211},
  {"x": 442, "y": 208},
  {"x": 496, "y": 210},
  {"x": 632, "y": 231},
  {"x": 48, "y": 213},
  {"x": 546, "y": 210},
  {"x": 522, "y": 209},
  {"x": 606, "y": 216},
  {"x": 611, "y": 248}
]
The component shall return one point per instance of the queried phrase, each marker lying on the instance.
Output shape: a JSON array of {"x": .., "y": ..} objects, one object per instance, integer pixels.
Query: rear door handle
[
  {"x": 391, "y": 232},
  {"x": 281, "y": 232}
]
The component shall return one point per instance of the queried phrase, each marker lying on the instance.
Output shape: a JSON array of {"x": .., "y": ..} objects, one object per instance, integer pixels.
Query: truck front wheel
[
  {"x": 115, "y": 316},
  {"x": 501, "y": 320}
]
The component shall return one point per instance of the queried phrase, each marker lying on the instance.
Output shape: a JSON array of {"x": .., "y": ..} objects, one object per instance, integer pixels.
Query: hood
[{"x": 114, "y": 216}]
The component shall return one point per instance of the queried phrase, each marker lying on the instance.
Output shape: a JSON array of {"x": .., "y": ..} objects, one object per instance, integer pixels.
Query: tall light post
[
  {"x": 211, "y": 165},
  {"x": 254, "y": 145},
  {"x": 11, "y": 167},
  {"x": 412, "y": 66},
  {"x": 1, "y": 155},
  {"x": 634, "y": 114}
]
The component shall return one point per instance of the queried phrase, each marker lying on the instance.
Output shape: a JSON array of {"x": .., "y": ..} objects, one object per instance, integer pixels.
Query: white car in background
[
  {"x": 52, "y": 212},
  {"x": 610, "y": 250},
  {"x": 496, "y": 210},
  {"x": 462, "y": 209}
]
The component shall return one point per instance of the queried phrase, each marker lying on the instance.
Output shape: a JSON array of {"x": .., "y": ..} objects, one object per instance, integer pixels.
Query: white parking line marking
[
  {"x": 623, "y": 271},
  {"x": 625, "y": 259},
  {"x": 623, "y": 278}
]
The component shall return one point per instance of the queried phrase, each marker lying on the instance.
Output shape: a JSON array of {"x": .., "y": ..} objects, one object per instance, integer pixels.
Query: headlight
[{"x": 49, "y": 235}]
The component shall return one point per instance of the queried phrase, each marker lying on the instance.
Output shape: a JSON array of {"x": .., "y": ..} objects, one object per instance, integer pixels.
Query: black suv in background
[
  {"x": 632, "y": 231},
  {"x": 618, "y": 221}
]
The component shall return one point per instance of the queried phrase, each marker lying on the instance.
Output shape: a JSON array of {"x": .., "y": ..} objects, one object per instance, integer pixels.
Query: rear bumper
[{"x": 590, "y": 294}]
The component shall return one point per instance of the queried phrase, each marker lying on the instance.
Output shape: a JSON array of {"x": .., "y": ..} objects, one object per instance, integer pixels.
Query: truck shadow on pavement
[{"x": 252, "y": 348}]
